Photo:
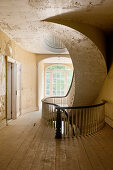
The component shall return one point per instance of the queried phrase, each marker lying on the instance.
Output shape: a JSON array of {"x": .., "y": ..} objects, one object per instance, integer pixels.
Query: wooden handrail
[
  {"x": 73, "y": 120},
  {"x": 76, "y": 107},
  {"x": 81, "y": 107}
]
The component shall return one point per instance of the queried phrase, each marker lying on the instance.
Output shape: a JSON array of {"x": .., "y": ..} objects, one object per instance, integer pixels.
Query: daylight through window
[{"x": 57, "y": 80}]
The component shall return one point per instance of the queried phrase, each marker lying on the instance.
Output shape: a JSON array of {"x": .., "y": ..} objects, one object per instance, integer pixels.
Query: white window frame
[{"x": 51, "y": 77}]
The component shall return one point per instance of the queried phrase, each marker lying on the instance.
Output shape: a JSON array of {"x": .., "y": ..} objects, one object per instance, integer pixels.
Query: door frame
[{"x": 14, "y": 87}]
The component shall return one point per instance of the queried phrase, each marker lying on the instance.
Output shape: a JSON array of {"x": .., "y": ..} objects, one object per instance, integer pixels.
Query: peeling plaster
[
  {"x": 2, "y": 86},
  {"x": 22, "y": 24},
  {"x": 64, "y": 4}
]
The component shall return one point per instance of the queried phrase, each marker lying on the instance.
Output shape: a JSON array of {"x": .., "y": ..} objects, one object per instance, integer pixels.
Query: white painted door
[
  {"x": 9, "y": 91},
  {"x": 18, "y": 92},
  {"x": 13, "y": 90}
]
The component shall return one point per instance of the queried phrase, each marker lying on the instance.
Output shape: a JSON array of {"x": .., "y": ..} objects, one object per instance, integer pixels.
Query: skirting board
[
  {"x": 109, "y": 121},
  {"x": 31, "y": 109}
]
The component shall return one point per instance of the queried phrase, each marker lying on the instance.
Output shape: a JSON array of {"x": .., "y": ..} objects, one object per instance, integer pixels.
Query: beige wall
[
  {"x": 106, "y": 92},
  {"x": 28, "y": 79},
  {"x": 40, "y": 70},
  {"x": 29, "y": 93}
]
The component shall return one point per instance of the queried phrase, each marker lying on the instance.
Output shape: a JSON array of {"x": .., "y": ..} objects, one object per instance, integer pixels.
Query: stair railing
[
  {"x": 74, "y": 121},
  {"x": 79, "y": 121}
]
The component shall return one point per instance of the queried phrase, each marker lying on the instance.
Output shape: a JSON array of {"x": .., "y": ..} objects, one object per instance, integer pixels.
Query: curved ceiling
[{"x": 21, "y": 21}]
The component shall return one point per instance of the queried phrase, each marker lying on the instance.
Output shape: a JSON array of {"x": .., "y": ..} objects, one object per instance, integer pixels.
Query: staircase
[{"x": 70, "y": 121}]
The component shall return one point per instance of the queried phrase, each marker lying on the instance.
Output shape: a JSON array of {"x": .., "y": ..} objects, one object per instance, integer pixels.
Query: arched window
[{"x": 57, "y": 80}]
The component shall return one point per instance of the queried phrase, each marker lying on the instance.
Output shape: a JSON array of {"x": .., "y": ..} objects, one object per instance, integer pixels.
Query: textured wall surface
[
  {"x": 28, "y": 79},
  {"x": 89, "y": 64},
  {"x": 5, "y": 43},
  {"x": 22, "y": 20},
  {"x": 106, "y": 92},
  {"x": 2, "y": 87},
  {"x": 23, "y": 23}
]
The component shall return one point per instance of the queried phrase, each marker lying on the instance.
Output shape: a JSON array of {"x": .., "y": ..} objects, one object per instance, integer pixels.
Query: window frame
[{"x": 51, "y": 78}]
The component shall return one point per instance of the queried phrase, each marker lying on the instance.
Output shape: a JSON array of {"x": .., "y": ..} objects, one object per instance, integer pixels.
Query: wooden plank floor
[{"x": 27, "y": 144}]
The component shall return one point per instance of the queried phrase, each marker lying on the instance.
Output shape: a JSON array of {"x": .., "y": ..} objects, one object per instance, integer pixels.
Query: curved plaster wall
[
  {"x": 93, "y": 33},
  {"x": 89, "y": 63},
  {"x": 22, "y": 22}
]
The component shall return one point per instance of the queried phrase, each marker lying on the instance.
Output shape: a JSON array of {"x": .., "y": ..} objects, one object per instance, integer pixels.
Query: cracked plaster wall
[
  {"x": 4, "y": 50},
  {"x": 28, "y": 79},
  {"x": 89, "y": 63},
  {"x": 2, "y": 87}
]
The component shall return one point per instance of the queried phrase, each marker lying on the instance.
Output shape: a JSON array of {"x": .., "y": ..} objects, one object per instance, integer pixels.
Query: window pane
[
  {"x": 58, "y": 93},
  {"x": 58, "y": 75},
  {"x": 62, "y": 93},
  {"x": 47, "y": 83},
  {"x": 59, "y": 68},
  {"x": 54, "y": 75},
  {"x": 48, "y": 86},
  {"x": 47, "y": 93},
  {"x": 60, "y": 81},
  {"x": 54, "y": 87},
  {"x": 54, "y": 80},
  {"x": 54, "y": 93},
  {"x": 62, "y": 74},
  {"x": 62, "y": 87}
]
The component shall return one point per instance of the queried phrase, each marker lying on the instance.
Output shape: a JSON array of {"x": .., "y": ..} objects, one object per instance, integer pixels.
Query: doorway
[{"x": 13, "y": 88}]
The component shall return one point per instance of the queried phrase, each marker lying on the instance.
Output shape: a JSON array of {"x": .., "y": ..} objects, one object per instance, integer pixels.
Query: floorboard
[{"x": 28, "y": 144}]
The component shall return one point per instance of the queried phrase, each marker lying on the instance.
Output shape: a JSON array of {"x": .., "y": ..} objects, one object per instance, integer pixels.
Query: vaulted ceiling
[
  {"x": 29, "y": 22},
  {"x": 22, "y": 20}
]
